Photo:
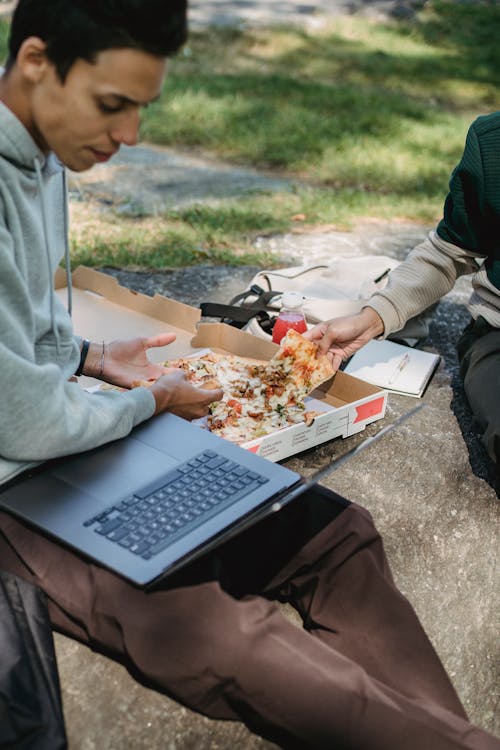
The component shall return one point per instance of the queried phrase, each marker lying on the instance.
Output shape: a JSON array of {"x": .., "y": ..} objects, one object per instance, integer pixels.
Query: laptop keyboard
[{"x": 156, "y": 516}]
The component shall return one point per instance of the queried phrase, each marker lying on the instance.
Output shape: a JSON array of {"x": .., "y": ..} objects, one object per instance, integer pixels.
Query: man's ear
[{"x": 32, "y": 60}]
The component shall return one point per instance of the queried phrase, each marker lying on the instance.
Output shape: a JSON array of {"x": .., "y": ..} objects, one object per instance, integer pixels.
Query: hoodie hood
[{"x": 16, "y": 143}]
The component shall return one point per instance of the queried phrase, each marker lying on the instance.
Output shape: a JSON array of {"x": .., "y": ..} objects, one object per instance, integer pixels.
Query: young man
[
  {"x": 70, "y": 95},
  {"x": 361, "y": 673},
  {"x": 469, "y": 230}
]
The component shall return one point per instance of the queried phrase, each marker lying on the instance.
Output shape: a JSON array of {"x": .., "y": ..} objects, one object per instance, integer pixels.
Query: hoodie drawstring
[
  {"x": 67, "y": 261},
  {"x": 47, "y": 251}
]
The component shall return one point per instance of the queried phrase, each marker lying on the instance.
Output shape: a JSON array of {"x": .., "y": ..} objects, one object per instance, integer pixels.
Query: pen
[
  {"x": 400, "y": 366},
  {"x": 382, "y": 276}
]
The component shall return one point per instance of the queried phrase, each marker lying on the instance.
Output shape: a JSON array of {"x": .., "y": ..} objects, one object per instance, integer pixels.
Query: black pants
[
  {"x": 479, "y": 354},
  {"x": 360, "y": 674}
]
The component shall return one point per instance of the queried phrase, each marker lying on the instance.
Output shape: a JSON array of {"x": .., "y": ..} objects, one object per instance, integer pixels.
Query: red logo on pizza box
[
  {"x": 253, "y": 448},
  {"x": 370, "y": 409}
]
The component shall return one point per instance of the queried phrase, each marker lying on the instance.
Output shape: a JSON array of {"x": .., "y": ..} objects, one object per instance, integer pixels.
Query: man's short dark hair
[{"x": 74, "y": 29}]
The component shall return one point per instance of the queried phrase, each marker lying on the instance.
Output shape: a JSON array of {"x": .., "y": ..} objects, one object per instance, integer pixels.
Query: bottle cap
[{"x": 292, "y": 299}]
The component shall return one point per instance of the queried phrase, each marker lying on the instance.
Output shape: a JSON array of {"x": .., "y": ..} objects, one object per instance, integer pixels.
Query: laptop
[{"x": 151, "y": 502}]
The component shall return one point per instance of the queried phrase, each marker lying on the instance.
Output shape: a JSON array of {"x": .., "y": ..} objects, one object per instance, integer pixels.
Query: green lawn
[{"x": 367, "y": 118}]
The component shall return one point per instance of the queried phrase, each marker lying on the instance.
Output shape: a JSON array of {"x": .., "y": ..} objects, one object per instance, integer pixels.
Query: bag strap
[
  {"x": 233, "y": 312},
  {"x": 263, "y": 297}
]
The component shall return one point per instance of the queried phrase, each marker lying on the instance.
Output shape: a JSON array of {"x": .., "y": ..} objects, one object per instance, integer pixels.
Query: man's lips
[{"x": 102, "y": 156}]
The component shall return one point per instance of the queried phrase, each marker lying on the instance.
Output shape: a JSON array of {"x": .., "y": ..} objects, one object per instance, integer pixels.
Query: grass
[
  {"x": 366, "y": 118},
  {"x": 197, "y": 236}
]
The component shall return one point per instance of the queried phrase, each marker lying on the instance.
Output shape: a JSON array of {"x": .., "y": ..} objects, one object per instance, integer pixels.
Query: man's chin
[
  {"x": 84, "y": 159},
  {"x": 79, "y": 165},
  {"x": 76, "y": 169}
]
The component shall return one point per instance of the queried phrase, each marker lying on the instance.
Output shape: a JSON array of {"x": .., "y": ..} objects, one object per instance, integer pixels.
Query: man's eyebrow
[{"x": 127, "y": 100}]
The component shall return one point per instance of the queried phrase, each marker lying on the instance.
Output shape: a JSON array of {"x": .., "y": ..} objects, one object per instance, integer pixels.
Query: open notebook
[{"x": 395, "y": 367}]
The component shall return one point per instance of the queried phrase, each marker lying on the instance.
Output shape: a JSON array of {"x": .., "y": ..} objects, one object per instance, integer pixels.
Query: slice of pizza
[{"x": 301, "y": 359}]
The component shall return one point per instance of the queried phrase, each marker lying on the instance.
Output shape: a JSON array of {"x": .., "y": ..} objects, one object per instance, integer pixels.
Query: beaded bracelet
[
  {"x": 83, "y": 356},
  {"x": 101, "y": 369}
]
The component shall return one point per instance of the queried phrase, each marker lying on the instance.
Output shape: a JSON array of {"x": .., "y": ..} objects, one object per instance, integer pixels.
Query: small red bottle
[{"x": 291, "y": 316}]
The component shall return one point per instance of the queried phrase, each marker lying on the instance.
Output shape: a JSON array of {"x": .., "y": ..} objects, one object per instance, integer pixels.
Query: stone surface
[
  {"x": 282, "y": 12},
  {"x": 147, "y": 180}
]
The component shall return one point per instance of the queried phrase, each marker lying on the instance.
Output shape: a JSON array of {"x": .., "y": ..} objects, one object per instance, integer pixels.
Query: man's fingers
[
  {"x": 316, "y": 333},
  {"x": 336, "y": 360},
  {"x": 215, "y": 394},
  {"x": 161, "y": 339},
  {"x": 327, "y": 342}
]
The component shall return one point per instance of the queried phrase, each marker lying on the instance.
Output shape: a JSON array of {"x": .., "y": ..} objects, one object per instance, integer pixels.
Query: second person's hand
[{"x": 340, "y": 338}]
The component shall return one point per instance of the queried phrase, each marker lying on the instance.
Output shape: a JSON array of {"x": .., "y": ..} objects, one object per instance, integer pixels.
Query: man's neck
[{"x": 15, "y": 96}]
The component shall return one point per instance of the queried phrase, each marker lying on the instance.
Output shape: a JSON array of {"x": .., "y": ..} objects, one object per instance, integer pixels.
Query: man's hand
[
  {"x": 123, "y": 362},
  {"x": 341, "y": 337},
  {"x": 172, "y": 392}
]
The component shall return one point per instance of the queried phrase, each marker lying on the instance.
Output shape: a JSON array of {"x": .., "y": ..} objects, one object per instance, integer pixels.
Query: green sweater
[{"x": 472, "y": 208}]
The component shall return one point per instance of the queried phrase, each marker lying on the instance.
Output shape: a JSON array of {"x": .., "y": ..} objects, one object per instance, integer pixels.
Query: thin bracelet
[
  {"x": 83, "y": 356},
  {"x": 101, "y": 369}
]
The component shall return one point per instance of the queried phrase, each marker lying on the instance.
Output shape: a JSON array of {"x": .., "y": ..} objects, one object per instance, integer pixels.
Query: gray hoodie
[{"x": 42, "y": 414}]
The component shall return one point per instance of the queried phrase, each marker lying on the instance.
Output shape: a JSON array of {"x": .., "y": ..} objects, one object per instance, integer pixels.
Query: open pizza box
[{"x": 104, "y": 310}]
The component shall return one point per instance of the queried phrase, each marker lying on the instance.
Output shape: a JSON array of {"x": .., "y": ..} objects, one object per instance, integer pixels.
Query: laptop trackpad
[{"x": 116, "y": 469}]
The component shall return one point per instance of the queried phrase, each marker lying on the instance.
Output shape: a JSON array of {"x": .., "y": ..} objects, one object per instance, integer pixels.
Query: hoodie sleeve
[{"x": 42, "y": 414}]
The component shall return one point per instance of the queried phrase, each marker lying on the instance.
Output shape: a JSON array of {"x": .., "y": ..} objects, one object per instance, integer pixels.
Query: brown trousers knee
[{"x": 360, "y": 673}]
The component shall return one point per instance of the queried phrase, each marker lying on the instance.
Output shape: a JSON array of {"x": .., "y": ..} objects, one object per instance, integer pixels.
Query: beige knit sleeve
[{"x": 428, "y": 273}]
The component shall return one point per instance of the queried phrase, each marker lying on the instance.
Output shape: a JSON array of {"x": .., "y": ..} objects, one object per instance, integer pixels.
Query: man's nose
[{"x": 126, "y": 128}]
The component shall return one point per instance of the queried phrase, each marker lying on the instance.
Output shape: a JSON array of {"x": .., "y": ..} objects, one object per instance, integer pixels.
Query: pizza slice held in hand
[{"x": 307, "y": 368}]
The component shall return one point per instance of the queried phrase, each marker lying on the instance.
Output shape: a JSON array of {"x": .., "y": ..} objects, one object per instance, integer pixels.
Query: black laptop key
[
  {"x": 130, "y": 501},
  {"x": 125, "y": 542},
  {"x": 139, "y": 547},
  {"x": 214, "y": 463},
  {"x": 117, "y": 534},
  {"x": 108, "y": 526}
]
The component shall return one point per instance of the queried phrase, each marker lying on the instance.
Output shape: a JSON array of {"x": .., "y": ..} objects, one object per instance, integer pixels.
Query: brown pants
[{"x": 361, "y": 673}]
